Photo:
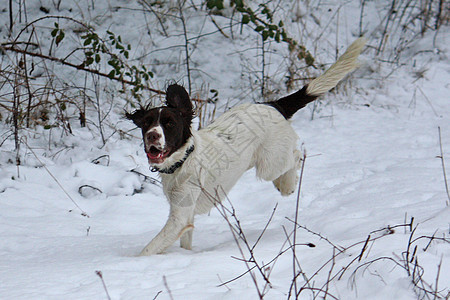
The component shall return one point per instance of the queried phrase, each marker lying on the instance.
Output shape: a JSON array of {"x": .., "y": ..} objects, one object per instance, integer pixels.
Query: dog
[{"x": 193, "y": 165}]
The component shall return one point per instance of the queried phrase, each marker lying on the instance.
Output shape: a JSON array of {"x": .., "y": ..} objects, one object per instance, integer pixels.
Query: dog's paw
[
  {"x": 150, "y": 250},
  {"x": 286, "y": 183}
]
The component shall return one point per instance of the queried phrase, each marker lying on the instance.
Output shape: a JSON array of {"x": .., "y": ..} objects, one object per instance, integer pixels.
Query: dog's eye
[
  {"x": 168, "y": 123},
  {"x": 148, "y": 121}
]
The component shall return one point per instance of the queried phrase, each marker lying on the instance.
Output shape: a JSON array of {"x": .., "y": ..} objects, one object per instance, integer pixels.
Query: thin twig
[
  {"x": 265, "y": 227},
  {"x": 300, "y": 272},
  {"x": 236, "y": 239},
  {"x": 157, "y": 294},
  {"x": 331, "y": 270},
  {"x": 186, "y": 45},
  {"x": 385, "y": 31},
  {"x": 364, "y": 248},
  {"x": 338, "y": 247},
  {"x": 437, "y": 280},
  {"x": 80, "y": 189},
  {"x": 297, "y": 204},
  {"x": 99, "y": 274},
  {"x": 147, "y": 178},
  {"x": 11, "y": 22},
  {"x": 443, "y": 167},
  {"x": 167, "y": 287}
]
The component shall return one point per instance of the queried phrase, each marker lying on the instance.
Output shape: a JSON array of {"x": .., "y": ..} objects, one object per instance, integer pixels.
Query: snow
[{"x": 372, "y": 161}]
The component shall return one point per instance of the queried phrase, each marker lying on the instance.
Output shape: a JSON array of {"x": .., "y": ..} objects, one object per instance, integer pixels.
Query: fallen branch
[{"x": 80, "y": 67}]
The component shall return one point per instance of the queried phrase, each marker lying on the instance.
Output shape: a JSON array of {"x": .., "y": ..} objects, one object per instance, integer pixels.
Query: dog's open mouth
[{"x": 157, "y": 155}]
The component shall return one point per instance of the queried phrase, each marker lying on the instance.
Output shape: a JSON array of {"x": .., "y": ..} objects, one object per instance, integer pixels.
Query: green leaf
[
  {"x": 60, "y": 37},
  {"x": 265, "y": 35},
  {"x": 89, "y": 61},
  {"x": 277, "y": 37},
  {"x": 97, "y": 58},
  {"x": 239, "y": 3},
  {"x": 62, "y": 106},
  {"x": 210, "y": 4},
  {"x": 111, "y": 74},
  {"x": 54, "y": 32},
  {"x": 309, "y": 59},
  {"x": 273, "y": 27},
  {"x": 259, "y": 28},
  {"x": 245, "y": 19},
  {"x": 215, "y": 3}
]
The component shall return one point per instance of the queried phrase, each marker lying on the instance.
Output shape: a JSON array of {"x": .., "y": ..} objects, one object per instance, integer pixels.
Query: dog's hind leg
[{"x": 287, "y": 182}]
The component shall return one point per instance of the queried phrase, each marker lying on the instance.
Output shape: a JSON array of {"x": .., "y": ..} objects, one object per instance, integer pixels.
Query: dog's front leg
[
  {"x": 182, "y": 200},
  {"x": 177, "y": 225},
  {"x": 186, "y": 237}
]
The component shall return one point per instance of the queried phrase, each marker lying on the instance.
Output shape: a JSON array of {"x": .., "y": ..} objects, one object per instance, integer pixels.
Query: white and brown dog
[{"x": 194, "y": 165}]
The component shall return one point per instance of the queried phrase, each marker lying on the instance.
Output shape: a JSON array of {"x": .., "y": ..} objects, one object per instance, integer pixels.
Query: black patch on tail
[{"x": 289, "y": 105}]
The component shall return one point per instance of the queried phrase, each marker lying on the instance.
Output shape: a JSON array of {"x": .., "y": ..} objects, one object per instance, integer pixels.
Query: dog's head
[{"x": 167, "y": 128}]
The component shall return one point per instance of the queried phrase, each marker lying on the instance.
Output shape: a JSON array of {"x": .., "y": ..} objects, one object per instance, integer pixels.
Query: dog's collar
[{"x": 176, "y": 165}]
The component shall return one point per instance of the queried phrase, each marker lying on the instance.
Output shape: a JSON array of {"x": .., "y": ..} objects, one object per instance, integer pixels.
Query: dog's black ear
[
  {"x": 137, "y": 117},
  {"x": 177, "y": 97}
]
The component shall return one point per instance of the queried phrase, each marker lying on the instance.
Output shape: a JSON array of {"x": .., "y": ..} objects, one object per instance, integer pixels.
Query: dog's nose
[{"x": 153, "y": 136}]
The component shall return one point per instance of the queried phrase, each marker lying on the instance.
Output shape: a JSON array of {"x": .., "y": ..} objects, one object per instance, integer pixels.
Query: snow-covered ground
[{"x": 373, "y": 160}]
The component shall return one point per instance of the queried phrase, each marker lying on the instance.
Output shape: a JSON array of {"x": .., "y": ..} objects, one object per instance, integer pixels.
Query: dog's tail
[{"x": 289, "y": 105}]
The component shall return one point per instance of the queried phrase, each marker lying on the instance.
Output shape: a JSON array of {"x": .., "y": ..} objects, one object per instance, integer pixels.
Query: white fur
[
  {"x": 247, "y": 136},
  {"x": 161, "y": 143},
  {"x": 344, "y": 65},
  {"x": 250, "y": 135}
]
